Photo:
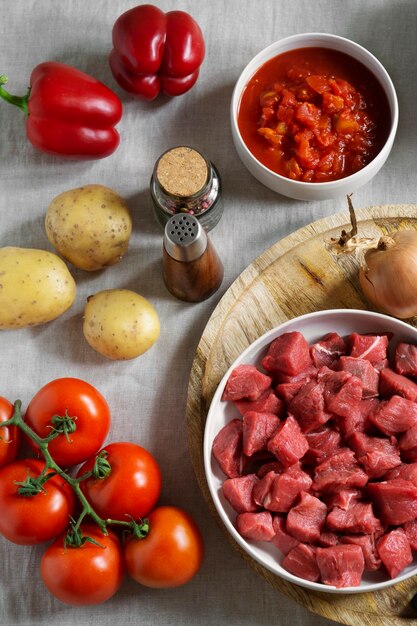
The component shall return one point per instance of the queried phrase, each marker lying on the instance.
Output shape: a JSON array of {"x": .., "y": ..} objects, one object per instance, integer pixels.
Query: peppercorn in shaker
[
  {"x": 184, "y": 181},
  {"x": 192, "y": 268}
]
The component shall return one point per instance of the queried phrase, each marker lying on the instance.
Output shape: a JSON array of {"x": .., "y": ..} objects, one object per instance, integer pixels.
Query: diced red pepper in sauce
[{"x": 314, "y": 115}]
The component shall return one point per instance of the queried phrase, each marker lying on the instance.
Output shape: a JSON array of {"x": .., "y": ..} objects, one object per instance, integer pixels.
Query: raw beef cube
[
  {"x": 288, "y": 391},
  {"x": 246, "y": 381},
  {"x": 405, "y": 360},
  {"x": 357, "y": 420},
  {"x": 256, "y": 526},
  {"x": 394, "y": 551},
  {"x": 288, "y": 354},
  {"x": 395, "y": 415},
  {"x": 357, "y": 518},
  {"x": 370, "y": 554},
  {"x": 366, "y": 407},
  {"x": 238, "y": 492},
  {"x": 410, "y": 529},
  {"x": 328, "y": 539},
  {"x": 301, "y": 561},
  {"x": 288, "y": 443},
  {"x": 321, "y": 444},
  {"x": 257, "y": 429},
  {"x": 349, "y": 424},
  {"x": 395, "y": 501},
  {"x": 393, "y": 384},
  {"x": 408, "y": 444},
  {"x": 362, "y": 369},
  {"x": 337, "y": 378},
  {"x": 284, "y": 489},
  {"x": 409, "y": 456},
  {"x": 339, "y": 471},
  {"x": 371, "y": 347},
  {"x": 227, "y": 448},
  {"x": 308, "y": 407},
  {"x": 269, "y": 466},
  {"x": 406, "y": 471},
  {"x": 377, "y": 455},
  {"x": 381, "y": 365},
  {"x": 343, "y": 498},
  {"x": 262, "y": 489},
  {"x": 328, "y": 350},
  {"x": 302, "y": 377},
  {"x": 268, "y": 402},
  {"x": 251, "y": 464},
  {"x": 283, "y": 540},
  {"x": 305, "y": 521},
  {"x": 342, "y": 392},
  {"x": 341, "y": 565}
]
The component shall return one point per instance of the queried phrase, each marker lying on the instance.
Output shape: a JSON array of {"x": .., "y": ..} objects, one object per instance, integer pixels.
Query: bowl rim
[
  {"x": 297, "y": 39},
  {"x": 248, "y": 548}
]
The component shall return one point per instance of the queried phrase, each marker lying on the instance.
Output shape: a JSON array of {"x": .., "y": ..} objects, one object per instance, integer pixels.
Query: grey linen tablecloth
[{"x": 147, "y": 396}]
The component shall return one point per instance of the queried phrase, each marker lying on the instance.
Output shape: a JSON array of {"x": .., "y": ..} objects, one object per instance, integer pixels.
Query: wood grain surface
[{"x": 299, "y": 274}]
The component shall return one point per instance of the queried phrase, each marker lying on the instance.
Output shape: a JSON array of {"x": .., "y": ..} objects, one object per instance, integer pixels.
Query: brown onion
[{"x": 389, "y": 276}]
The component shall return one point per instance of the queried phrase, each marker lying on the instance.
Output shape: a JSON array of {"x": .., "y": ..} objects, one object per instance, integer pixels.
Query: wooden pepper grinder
[{"x": 192, "y": 268}]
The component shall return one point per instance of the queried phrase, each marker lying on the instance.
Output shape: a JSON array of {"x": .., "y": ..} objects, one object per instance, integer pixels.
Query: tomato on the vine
[
  {"x": 170, "y": 554},
  {"x": 31, "y": 519},
  {"x": 132, "y": 487},
  {"x": 84, "y": 574},
  {"x": 10, "y": 436},
  {"x": 69, "y": 398}
]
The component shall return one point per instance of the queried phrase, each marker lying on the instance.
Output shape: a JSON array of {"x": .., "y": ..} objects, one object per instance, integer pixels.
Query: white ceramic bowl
[
  {"x": 314, "y": 191},
  {"x": 313, "y": 326}
]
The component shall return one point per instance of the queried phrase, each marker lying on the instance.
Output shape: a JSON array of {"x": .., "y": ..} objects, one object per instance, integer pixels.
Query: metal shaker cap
[{"x": 184, "y": 238}]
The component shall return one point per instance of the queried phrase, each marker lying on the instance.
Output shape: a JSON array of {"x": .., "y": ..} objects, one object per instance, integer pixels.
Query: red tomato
[
  {"x": 172, "y": 552},
  {"x": 132, "y": 487},
  {"x": 10, "y": 436},
  {"x": 27, "y": 520},
  {"x": 82, "y": 402},
  {"x": 87, "y": 574}
]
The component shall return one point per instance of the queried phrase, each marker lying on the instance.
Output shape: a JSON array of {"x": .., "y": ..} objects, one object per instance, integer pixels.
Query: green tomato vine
[{"x": 63, "y": 426}]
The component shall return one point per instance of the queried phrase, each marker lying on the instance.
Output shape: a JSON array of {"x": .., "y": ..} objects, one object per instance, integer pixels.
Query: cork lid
[{"x": 182, "y": 171}]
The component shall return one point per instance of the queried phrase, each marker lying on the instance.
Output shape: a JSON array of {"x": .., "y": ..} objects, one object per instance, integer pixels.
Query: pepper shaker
[
  {"x": 192, "y": 268},
  {"x": 184, "y": 181}
]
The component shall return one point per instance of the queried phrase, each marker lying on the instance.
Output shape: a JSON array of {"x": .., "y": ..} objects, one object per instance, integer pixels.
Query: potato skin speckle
[
  {"x": 80, "y": 224},
  {"x": 120, "y": 324},
  {"x": 36, "y": 288}
]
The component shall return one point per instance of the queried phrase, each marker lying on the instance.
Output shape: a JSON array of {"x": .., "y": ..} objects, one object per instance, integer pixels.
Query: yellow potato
[
  {"x": 120, "y": 324},
  {"x": 35, "y": 287},
  {"x": 90, "y": 226}
]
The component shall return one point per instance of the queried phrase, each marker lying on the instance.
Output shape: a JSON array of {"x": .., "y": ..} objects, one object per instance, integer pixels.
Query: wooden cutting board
[{"x": 297, "y": 275}]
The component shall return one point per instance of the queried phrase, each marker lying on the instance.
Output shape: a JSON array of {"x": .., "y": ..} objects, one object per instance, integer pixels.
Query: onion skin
[{"x": 389, "y": 277}]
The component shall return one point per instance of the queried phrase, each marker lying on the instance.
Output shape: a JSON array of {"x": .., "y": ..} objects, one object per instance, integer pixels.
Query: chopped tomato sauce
[{"x": 314, "y": 115}]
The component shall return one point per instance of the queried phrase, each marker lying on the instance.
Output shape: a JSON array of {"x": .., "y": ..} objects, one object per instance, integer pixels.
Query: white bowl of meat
[
  {"x": 314, "y": 116},
  {"x": 310, "y": 451}
]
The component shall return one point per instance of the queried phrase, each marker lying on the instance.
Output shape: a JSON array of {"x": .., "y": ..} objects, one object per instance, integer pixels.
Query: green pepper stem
[{"x": 21, "y": 102}]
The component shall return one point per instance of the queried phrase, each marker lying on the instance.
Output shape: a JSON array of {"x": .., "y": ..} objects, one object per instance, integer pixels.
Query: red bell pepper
[
  {"x": 156, "y": 52},
  {"x": 69, "y": 113}
]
